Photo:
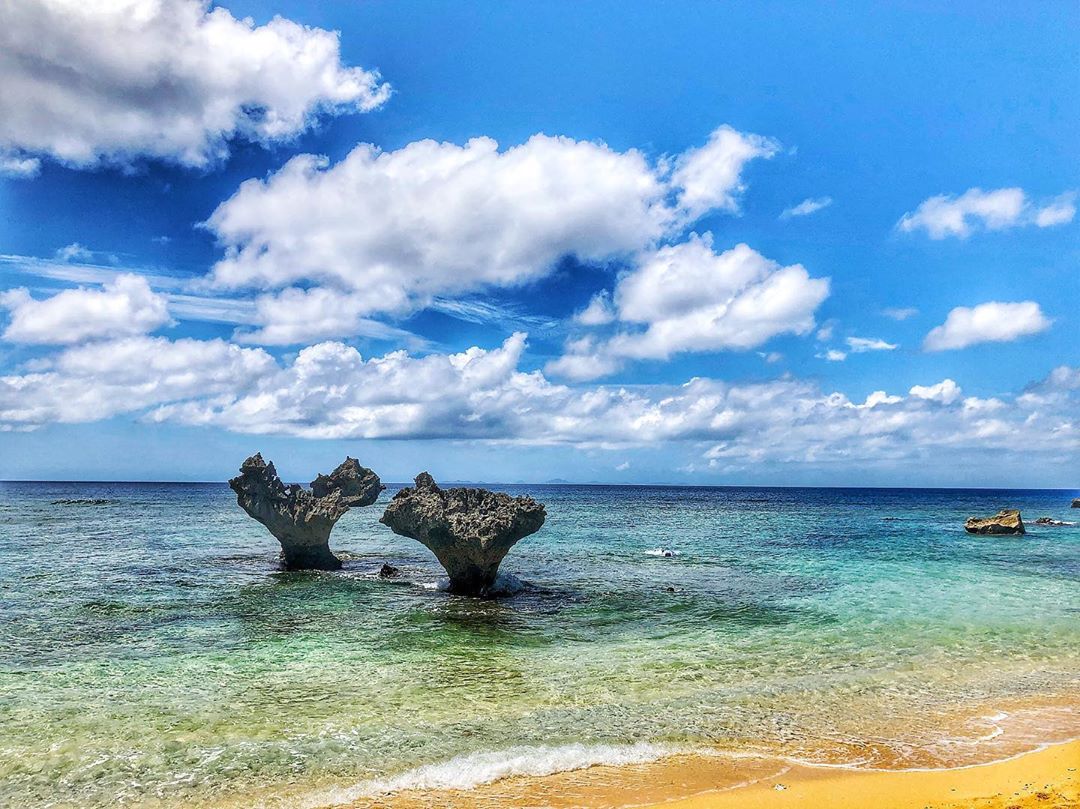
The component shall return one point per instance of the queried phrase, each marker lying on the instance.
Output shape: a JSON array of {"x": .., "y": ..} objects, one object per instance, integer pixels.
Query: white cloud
[
  {"x": 123, "y": 306},
  {"x": 585, "y": 358},
  {"x": 1058, "y": 212},
  {"x": 897, "y": 313},
  {"x": 330, "y": 391},
  {"x": 437, "y": 219},
  {"x": 710, "y": 176},
  {"x": 693, "y": 299},
  {"x": 991, "y": 322},
  {"x": 623, "y": 466},
  {"x": 598, "y": 312},
  {"x": 807, "y": 207},
  {"x": 74, "y": 252},
  {"x": 832, "y": 355},
  {"x": 89, "y": 81},
  {"x": 12, "y": 165},
  {"x": 880, "y": 397},
  {"x": 101, "y": 380},
  {"x": 860, "y": 345},
  {"x": 689, "y": 298},
  {"x": 946, "y": 392},
  {"x": 296, "y": 316},
  {"x": 945, "y": 215}
]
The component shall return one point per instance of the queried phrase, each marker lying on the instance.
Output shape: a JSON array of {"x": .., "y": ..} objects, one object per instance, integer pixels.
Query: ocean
[{"x": 152, "y": 653}]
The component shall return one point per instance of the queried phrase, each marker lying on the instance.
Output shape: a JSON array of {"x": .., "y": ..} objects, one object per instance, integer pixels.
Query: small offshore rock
[
  {"x": 301, "y": 520},
  {"x": 389, "y": 572},
  {"x": 1051, "y": 521},
  {"x": 1076, "y": 503},
  {"x": 1006, "y": 521},
  {"x": 469, "y": 530}
]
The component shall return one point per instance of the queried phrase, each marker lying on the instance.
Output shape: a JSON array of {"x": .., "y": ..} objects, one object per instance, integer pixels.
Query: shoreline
[{"x": 1046, "y": 776}]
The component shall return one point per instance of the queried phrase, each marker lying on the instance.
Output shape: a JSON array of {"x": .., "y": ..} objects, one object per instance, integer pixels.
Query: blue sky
[{"x": 934, "y": 153}]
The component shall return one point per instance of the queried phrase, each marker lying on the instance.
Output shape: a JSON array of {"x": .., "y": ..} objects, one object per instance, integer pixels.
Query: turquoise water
[{"x": 151, "y": 652}]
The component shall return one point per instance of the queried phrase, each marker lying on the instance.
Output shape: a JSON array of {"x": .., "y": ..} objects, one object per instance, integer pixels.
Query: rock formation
[
  {"x": 1051, "y": 521},
  {"x": 301, "y": 520},
  {"x": 468, "y": 530},
  {"x": 1006, "y": 521},
  {"x": 1076, "y": 502}
]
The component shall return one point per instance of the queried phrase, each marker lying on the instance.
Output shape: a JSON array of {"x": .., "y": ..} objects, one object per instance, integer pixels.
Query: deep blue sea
[{"x": 152, "y": 653}]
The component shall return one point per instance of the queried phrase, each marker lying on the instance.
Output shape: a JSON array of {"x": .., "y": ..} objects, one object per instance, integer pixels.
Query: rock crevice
[
  {"x": 300, "y": 519},
  {"x": 469, "y": 530}
]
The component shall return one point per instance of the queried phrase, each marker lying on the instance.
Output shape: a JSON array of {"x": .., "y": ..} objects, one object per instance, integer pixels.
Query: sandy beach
[{"x": 1048, "y": 777}]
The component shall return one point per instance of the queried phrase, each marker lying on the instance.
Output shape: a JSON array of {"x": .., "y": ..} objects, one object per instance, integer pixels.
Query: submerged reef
[
  {"x": 1006, "y": 521},
  {"x": 302, "y": 519},
  {"x": 470, "y": 531}
]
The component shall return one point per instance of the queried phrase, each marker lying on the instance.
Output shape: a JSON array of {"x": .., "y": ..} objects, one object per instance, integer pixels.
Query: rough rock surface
[
  {"x": 1006, "y": 521},
  {"x": 468, "y": 530},
  {"x": 1076, "y": 503},
  {"x": 300, "y": 519}
]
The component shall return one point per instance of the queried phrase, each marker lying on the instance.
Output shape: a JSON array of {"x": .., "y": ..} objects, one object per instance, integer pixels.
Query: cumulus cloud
[
  {"x": 709, "y": 177},
  {"x": 686, "y": 297},
  {"x": 330, "y": 390},
  {"x": 943, "y": 215},
  {"x": 101, "y": 380},
  {"x": 398, "y": 228},
  {"x": 806, "y": 207},
  {"x": 860, "y": 345},
  {"x": 114, "y": 80},
  {"x": 946, "y": 391},
  {"x": 991, "y": 322},
  {"x": 585, "y": 358},
  {"x": 598, "y": 312},
  {"x": 125, "y": 305}
]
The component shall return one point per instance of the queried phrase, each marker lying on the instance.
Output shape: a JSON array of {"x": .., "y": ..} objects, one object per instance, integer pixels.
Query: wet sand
[{"x": 1048, "y": 778}]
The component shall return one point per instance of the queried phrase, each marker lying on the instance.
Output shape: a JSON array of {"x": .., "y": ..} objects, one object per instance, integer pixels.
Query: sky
[{"x": 695, "y": 243}]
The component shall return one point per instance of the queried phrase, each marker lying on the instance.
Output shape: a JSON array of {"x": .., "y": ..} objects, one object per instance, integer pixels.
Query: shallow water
[{"x": 151, "y": 651}]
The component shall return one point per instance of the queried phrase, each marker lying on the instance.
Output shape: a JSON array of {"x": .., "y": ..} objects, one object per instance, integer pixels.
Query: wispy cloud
[
  {"x": 807, "y": 207},
  {"x": 860, "y": 345},
  {"x": 900, "y": 313}
]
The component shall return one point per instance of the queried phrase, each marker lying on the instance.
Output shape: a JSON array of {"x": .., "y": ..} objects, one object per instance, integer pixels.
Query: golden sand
[{"x": 1046, "y": 778}]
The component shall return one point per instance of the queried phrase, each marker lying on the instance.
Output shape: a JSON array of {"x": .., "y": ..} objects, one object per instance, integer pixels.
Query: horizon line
[{"x": 462, "y": 482}]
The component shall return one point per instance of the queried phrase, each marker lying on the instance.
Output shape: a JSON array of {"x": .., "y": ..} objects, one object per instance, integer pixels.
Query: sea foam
[{"x": 474, "y": 769}]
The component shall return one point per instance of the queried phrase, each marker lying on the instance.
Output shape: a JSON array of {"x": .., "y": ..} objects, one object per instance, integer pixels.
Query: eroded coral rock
[
  {"x": 300, "y": 519},
  {"x": 1006, "y": 521},
  {"x": 470, "y": 531}
]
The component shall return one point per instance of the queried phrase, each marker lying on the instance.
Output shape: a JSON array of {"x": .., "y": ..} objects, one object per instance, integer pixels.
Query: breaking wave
[{"x": 474, "y": 769}]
